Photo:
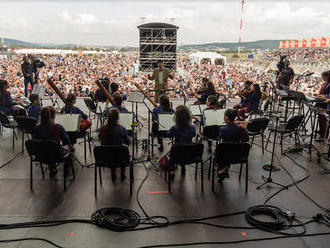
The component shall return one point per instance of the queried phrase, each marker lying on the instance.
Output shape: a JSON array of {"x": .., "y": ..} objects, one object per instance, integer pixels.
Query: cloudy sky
[{"x": 114, "y": 22}]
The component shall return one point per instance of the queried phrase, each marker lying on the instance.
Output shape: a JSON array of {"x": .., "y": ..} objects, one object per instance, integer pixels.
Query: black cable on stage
[
  {"x": 237, "y": 241},
  {"x": 11, "y": 160}
]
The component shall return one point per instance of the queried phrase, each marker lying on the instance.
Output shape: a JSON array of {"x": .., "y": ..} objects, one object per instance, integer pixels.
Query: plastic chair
[
  {"x": 112, "y": 156},
  {"x": 184, "y": 154},
  {"x": 46, "y": 152},
  {"x": 257, "y": 127},
  {"x": 27, "y": 125},
  {"x": 291, "y": 127},
  {"x": 232, "y": 153},
  {"x": 11, "y": 124}
]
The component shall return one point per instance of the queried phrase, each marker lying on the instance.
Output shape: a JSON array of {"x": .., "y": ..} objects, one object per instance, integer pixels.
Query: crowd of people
[
  {"x": 303, "y": 55},
  {"x": 77, "y": 75}
]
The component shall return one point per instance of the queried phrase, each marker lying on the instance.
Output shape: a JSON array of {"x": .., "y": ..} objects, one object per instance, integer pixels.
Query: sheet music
[
  {"x": 70, "y": 122},
  {"x": 195, "y": 109},
  {"x": 126, "y": 120},
  {"x": 166, "y": 121},
  {"x": 135, "y": 96},
  {"x": 202, "y": 107},
  {"x": 39, "y": 90},
  {"x": 214, "y": 117}
]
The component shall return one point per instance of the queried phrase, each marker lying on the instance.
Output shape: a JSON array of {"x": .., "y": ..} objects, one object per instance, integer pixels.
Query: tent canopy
[{"x": 199, "y": 56}]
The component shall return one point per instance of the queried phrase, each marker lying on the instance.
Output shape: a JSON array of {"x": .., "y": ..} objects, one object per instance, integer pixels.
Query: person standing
[
  {"x": 160, "y": 75},
  {"x": 27, "y": 74}
]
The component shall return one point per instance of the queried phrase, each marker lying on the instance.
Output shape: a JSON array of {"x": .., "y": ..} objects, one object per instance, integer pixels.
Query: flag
[
  {"x": 323, "y": 42},
  {"x": 313, "y": 42},
  {"x": 296, "y": 43},
  {"x": 304, "y": 43}
]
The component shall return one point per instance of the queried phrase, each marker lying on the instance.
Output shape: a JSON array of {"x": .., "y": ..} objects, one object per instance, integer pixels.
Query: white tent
[{"x": 199, "y": 56}]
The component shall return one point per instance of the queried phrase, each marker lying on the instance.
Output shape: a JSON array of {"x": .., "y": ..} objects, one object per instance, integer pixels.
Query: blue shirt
[
  {"x": 75, "y": 110},
  {"x": 6, "y": 102},
  {"x": 34, "y": 111},
  {"x": 54, "y": 132},
  {"x": 120, "y": 108},
  {"x": 117, "y": 136},
  {"x": 233, "y": 133},
  {"x": 253, "y": 99},
  {"x": 182, "y": 135},
  {"x": 159, "y": 109}
]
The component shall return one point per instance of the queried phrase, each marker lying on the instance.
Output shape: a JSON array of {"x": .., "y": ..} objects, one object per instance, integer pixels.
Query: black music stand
[
  {"x": 136, "y": 97},
  {"x": 269, "y": 179}
]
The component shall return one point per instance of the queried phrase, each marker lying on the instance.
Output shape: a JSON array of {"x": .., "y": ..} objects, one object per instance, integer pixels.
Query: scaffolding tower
[{"x": 158, "y": 41}]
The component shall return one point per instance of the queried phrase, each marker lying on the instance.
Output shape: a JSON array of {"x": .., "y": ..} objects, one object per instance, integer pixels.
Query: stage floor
[{"x": 48, "y": 201}]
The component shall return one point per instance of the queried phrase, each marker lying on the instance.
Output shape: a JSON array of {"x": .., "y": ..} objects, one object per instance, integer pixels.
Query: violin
[{"x": 245, "y": 92}]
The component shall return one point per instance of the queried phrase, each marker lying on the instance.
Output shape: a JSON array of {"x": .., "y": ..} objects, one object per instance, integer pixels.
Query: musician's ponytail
[
  {"x": 165, "y": 103},
  {"x": 113, "y": 118}
]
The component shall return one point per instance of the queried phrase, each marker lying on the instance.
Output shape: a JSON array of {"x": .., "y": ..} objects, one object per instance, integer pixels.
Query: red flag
[
  {"x": 313, "y": 42},
  {"x": 284, "y": 44},
  {"x": 304, "y": 43},
  {"x": 323, "y": 42},
  {"x": 296, "y": 43}
]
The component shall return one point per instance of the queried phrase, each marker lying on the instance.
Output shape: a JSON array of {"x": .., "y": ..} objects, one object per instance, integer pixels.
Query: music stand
[
  {"x": 214, "y": 117},
  {"x": 136, "y": 97},
  {"x": 271, "y": 165},
  {"x": 127, "y": 121}
]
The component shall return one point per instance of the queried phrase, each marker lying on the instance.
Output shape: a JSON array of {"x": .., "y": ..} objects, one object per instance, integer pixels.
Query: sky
[{"x": 114, "y": 22}]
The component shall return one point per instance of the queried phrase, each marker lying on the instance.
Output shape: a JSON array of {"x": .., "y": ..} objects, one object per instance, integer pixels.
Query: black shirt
[
  {"x": 285, "y": 76},
  {"x": 27, "y": 69}
]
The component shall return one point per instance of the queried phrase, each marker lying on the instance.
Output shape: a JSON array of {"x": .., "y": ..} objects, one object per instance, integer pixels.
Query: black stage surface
[{"x": 48, "y": 201}]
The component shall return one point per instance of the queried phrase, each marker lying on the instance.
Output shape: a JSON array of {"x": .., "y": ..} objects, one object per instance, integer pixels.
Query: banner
[{"x": 312, "y": 42}]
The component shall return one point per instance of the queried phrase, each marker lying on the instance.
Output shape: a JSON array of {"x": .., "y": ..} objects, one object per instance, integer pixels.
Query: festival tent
[
  {"x": 213, "y": 57},
  {"x": 54, "y": 51}
]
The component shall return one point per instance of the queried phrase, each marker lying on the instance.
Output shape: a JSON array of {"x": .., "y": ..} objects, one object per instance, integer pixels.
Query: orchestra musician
[
  {"x": 205, "y": 91},
  {"x": 114, "y": 134},
  {"x": 6, "y": 102},
  {"x": 118, "y": 101},
  {"x": 99, "y": 94},
  {"x": 250, "y": 99},
  {"x": 160, "y": 75},
  {"x": 324, "y": 93},
  {"x": 34, "y": 109},
  {"x": 183, "y": 132},
  {"x": 230, "y": 133},
  {"x": 47, "y": 129},
  {"x": 163, "y": 107}
]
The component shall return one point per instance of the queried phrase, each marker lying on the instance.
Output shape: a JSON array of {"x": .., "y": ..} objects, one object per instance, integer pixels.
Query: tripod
[{"x": 269, "y": 179}]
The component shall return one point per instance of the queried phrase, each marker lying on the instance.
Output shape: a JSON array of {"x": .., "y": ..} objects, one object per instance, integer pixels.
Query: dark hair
[
  {"x": 182, "y": 116},
  {"x": 33, "y": 97},
  {"x": 3, "y": 84},
  {"x": 231, "y": 114},
  {"x": 114, "y": 87},
  {"x": 46, "y": 115},
  {"x": 210, "y": 87},
  {"x": 117, "y": 98},
  {"x": 164, "y": 101},
  {"x": 248, "y": 82},
  {"x": 69, "y": 102},
  {"x": 113, "y": 117},
  {"x": 257, "y": 90},
  {"x": 326, "y": 74}
]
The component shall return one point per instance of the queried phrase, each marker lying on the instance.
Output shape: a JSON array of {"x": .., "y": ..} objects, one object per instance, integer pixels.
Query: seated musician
[
  {"x": 48, "y": 130},
  {"x": 230, "y": 133},
  {"x": 114, "y": 134},
  {"x": 118, "y": 101},
  {"x": 99, "y": 95},
  {"x": 206, "y": 90},
  {"x": 34, "y": 109},
  {"x": 250, "y": 101},
  {"x": 114, "y": 89},
  {"x": 6, "y": 102},
  {"x": 324, "y": 93},
  {"x": 164, "y": 107},
  {"x": 183, "y": 132},
  {"x": 69, "y": 107}
]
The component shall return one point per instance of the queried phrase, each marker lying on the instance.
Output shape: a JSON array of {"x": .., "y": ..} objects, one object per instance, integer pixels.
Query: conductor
[{"x": 160, "y": 75}]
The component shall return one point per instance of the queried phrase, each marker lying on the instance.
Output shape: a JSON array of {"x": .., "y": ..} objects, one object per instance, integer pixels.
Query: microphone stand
[{"x": 271, "y": 166}]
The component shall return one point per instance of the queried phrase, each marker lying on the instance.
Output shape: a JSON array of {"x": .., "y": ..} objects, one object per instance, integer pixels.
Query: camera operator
[
  {"x": 285, "y": 74},
  {"x": 36, "y": 63},
  {"x": 28, "y": 74}
]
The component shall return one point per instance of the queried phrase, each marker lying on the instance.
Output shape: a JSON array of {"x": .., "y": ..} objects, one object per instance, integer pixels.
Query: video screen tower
[{"x": 158, "y": 41}]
